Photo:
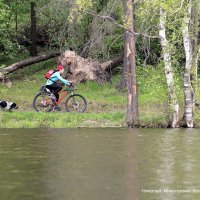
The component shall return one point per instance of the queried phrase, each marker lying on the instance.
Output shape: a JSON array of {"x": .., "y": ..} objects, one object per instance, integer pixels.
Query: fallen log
[
  {"x": 6, "y": 70},
  {"x": 112, "y": 64}
]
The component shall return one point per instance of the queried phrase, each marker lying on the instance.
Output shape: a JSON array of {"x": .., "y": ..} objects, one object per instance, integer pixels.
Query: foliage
[
  {"x": 9, "y": 47},
  {"x": 6, "y": 45},
  {"x": 106, "y": 39},
  {"x": 4, "y": 16},
  {"x": 79, "y": 24},
  {"x": 147, "y": 21}
]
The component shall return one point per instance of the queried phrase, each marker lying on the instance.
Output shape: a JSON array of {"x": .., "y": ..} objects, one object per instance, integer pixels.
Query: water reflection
[
  {"x": 173, "y": 164},
  {"x": 95, "y": 164},
  {"x": 68, "y": 164},
  {"x": 92, "y": 165}
]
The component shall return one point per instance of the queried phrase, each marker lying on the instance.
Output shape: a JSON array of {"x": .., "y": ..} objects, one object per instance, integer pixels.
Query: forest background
[{"x": 166, "y": 35}]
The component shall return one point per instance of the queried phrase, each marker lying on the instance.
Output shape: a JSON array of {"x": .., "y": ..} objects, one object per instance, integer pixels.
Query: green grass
[
  {"x": 58, "y": 120},
  {"x": 106, "y": 105}
]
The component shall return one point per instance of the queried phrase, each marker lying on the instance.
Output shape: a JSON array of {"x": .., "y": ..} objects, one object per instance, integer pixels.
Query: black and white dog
[{"x": 5, "y": 105}]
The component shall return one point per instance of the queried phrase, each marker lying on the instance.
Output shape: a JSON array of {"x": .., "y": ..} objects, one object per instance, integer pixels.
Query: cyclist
[{"x": 53, "y": 86}]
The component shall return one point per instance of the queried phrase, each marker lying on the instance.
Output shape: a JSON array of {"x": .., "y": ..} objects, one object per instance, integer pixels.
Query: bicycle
[{"x": 74, "y": 103}]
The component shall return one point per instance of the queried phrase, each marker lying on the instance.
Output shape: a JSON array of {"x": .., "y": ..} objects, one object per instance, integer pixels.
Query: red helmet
[{"x": 60, "y": 67}]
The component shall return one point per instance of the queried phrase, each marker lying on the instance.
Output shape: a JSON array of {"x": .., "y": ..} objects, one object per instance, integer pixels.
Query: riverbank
[
  {"x": 60, "y": 120},
  {"x": 106, "y": 105},
  {"x": 71, "y": 120}
]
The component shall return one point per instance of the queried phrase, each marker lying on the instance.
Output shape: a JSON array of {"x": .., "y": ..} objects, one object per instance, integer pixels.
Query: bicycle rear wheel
[
  {"x": 42, "y": 102},
  {"x": 76, "y": 103}
]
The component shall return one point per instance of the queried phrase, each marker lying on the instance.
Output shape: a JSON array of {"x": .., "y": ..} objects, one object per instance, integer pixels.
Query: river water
[{"x": 99, "y": 164}]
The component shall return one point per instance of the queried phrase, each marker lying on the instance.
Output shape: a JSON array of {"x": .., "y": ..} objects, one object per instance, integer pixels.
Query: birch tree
[
  {"x": 174, "y": 106},
  {"x": 194, "y": 26},
  {"x": 190, "y": 33}
]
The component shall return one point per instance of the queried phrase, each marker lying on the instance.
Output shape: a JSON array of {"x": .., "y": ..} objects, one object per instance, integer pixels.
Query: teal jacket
[{"x": 56, "y": 77}]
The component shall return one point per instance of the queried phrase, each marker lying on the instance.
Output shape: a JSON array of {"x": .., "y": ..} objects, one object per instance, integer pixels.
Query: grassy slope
[{"x": 106, "y": 106}]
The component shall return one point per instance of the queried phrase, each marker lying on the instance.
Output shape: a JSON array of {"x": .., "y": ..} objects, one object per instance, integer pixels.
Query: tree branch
[{"x": 107, "y": 17}]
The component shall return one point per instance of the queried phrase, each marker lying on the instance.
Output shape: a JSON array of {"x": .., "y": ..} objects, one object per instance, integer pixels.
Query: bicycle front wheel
[
  {"x": 76, "y": 103},
  {"x": 42, "y": 102}
]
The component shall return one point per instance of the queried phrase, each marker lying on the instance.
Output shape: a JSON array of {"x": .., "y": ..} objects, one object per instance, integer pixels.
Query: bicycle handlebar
[{"x": 70, "y": 87}]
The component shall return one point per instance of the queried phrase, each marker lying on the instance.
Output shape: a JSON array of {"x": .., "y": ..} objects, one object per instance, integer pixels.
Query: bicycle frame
[{"x": 64, "y": 94}]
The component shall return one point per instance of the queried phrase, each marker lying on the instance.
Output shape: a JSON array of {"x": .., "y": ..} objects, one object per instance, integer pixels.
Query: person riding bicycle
[{"x": 53, "y": 86}]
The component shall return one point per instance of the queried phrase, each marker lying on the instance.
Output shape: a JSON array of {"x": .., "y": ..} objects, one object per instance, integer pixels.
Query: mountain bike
[{"x": 74, "y": 103}]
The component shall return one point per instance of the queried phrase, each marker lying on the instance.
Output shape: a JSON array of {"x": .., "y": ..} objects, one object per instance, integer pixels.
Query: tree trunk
[
  {"x": 33, "y": 48},
  {"x": 194, "y": 25},
  {"x": 16, "y": 16},
  {"x": 24, "y": 63},
  {"x": 191, "y": 52},
  {"x": 173, "y": 101},
  {"x": 130, "y": 61},
  {"x": 123, "y": 81}
]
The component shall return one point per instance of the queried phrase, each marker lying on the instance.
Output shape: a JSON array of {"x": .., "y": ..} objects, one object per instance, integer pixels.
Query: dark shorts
[{"x": 55, "y": 89}]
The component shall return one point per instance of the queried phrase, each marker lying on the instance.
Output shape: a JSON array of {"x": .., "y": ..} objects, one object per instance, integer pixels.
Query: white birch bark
[
  {"x": 188, "y": 91},
  {"x": 194, "y": 30},
  {"x": 174, "y": 106}
]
